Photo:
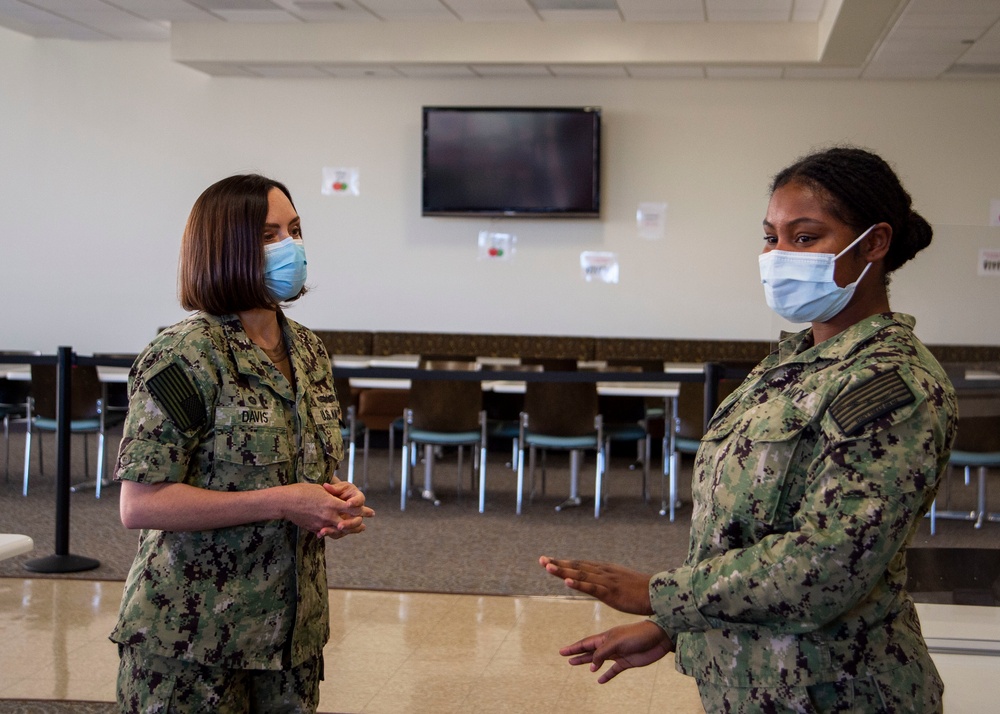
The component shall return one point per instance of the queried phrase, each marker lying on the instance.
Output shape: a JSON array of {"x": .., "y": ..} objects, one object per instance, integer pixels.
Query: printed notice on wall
[
  {"x": 496, "y": 246},
  {"x": 651, "y": 220},
  {"x": 599, "y": 267},
  {"x": 989, "y": 262},
  {"x": 995, "y": 212},
  {"x": 339, "y": 181}
]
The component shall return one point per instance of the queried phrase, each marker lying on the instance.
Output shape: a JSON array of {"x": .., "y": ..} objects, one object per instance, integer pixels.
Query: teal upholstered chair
[
  {"x": 444, "y": 413},
  {"x": 562, "y": 416},
  {"x": 626, "y": 420},
  {"x": 88, "y": 415},
  {"x": 977, "y": 446},
  {"x": 350, "y": 427},
  {"x": 13, "y": 408}
]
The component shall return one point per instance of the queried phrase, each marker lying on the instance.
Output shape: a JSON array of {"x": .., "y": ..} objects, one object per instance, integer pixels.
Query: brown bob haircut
[{"x": 222, "y": 252}]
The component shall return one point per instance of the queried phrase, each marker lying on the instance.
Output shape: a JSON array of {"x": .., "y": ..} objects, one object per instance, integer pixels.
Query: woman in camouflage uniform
[
  {"x": 227, "y": 465},
  {"x": 810, "y": 481}
]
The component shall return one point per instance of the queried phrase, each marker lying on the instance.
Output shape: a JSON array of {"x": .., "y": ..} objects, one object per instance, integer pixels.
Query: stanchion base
[{"x": 61, "y": 564}]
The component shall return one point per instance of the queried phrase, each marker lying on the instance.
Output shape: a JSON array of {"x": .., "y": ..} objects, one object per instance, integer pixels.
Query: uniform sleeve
[
  {"x": 168, "y": 398},
  {"x": 875, "y": 474}
]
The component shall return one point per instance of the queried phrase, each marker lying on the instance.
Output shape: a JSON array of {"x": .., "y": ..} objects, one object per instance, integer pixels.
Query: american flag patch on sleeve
[
  {"x": 173, "y": 391},
  {"x": 876, "y": 397}
]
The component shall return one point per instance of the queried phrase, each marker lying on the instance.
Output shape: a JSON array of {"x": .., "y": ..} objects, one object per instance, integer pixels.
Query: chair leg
[
  {"x": 27, "y": 459},
  {"x": 647, "y": 446},
  {"x": 6, "y": 442},
  {"x": 41, "y": 456},
  {"x": 520, "y": 477},
  {"x": 100, "y": 464},
  {"x": 404, "y": 483},
  {"x": 981, "y": 498},
  {"x": 364, "y": 465},
  {"x": 598, "y": 484},
  {"x": 481, "y": 470},
  {"x": 392, "y": 441},
  {"x": 428, "y": 492}
]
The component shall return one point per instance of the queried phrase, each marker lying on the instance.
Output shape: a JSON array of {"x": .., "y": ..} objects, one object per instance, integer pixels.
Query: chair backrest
[
  {"x": 978, "y": 421},
  {"x": 345, "y": 394},
  {"x": 561, "y": 408},
  {"x": 447, "y": 405},
  {"x": 13, "y": 392},
  {"x": 84, "y": 395},
  {"x": 622, "y": 410}
]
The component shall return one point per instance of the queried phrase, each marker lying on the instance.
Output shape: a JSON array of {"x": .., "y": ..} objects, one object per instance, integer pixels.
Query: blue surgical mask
[
  {"x": 800, "y": 286},
  {"x": 285, "y": 268}
]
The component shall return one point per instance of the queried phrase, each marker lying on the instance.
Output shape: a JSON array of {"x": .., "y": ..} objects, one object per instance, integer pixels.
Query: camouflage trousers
[
  {"x": 148, "y": 684},
  {"x": 914, "y": 688}
]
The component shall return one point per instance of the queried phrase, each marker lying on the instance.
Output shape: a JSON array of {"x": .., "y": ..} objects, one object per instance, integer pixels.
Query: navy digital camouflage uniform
[
  {"x": 208, "y": 409},
  {"x": 808, "y": 485}
]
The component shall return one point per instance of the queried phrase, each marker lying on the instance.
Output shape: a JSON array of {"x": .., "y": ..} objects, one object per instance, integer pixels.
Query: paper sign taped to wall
[
  {"x": 651, "y": 220},
  {"x": 989, "y": 262},
  {"x": 995, "y": 212},
  {"x": 339, "y": 181},
  {"x": 596, "y": 266},
  {"x": 496, "y": 246}
]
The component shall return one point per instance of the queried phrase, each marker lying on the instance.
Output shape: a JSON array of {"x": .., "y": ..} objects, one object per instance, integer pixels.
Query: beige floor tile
[{"x": 412, "y": 653}]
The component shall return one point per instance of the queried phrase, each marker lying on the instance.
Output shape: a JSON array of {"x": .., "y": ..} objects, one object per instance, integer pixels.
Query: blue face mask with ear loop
[
  {"x": 800, "y": 286},
  {"x": 285, "y": 268}
]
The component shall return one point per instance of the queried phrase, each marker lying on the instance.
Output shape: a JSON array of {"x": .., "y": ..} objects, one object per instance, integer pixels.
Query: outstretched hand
[
  {"x": 627, "y": 646},
  {"x": 619, "y": 587}
]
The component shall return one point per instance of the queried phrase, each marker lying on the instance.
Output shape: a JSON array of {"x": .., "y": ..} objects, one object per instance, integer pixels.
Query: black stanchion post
[{"x": 62, "y": 561}]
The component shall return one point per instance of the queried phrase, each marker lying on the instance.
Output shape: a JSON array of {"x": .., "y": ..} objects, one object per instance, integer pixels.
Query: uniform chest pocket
[
  {"x": 324, "y": 449},
  {"x": 749, "y": 456},
  {"x": 251, "y": 445}
]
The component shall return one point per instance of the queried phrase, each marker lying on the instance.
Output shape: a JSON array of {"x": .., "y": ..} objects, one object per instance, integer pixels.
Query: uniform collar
[
  {"x": 245, "y": 354},
  {"x": 799, "y": 347}
]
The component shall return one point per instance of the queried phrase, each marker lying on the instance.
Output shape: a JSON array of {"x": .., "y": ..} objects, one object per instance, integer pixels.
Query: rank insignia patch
[{"x": 876, "y": 397}]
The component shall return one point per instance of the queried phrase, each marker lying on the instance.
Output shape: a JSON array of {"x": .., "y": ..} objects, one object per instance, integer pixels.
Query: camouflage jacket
[
  {"x": 208, "y": 409},
  {"x": 807, "y": 487}
]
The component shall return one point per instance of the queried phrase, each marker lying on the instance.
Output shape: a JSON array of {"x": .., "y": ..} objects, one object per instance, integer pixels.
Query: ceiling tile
[
  {"x": 744, "y": 72},
  {"x": 288, "y": 71},
  {"x": 171, "y": 10},
  {"x": 742, "y": 11},
  {"x": 662, "y": 10},
  {"x": 326, "y": 10},
  {"x": 493, "y": 10},
  {"x": 410, "y": 10},
  {"x": 361, "y": 72},
  {"x": 822, "y": 72},
  {"x": 580, "y": 15},
  {"x": 435, "y": 70},
  {"x": 256, "y": 16},
  {"x": 511, "y": 70},
  {"x": 594, "y": 71},
  {"x": 665, "y": 72}
]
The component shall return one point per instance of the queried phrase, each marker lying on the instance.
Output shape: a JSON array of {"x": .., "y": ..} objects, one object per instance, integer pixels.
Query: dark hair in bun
[{"x": 862, "y": 190}]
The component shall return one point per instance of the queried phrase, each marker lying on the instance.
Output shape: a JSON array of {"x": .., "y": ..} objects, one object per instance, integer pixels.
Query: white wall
[{"x": 105, "y": 146}]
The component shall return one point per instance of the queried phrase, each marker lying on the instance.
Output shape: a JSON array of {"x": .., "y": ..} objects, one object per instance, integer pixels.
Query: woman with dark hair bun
[
  {"x": 810, "y": 481},
  {"x": 227, "y": 465}
]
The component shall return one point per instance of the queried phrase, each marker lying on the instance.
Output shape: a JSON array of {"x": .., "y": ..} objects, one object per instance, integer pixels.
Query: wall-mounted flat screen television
[{"x": 512, "y": 161}]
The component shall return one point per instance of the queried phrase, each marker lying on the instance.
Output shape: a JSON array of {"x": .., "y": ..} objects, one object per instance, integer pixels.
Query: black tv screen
[{"x": 511, "y": 161}]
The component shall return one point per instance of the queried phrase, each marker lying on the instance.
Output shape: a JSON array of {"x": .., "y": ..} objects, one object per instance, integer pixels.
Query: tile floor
[{"x": 414, "y": 652}]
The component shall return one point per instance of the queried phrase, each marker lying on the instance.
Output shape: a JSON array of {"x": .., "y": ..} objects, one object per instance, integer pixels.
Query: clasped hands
[
  {"x": 626, "y": 590},
  {"x": 331, "y": 510}
]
